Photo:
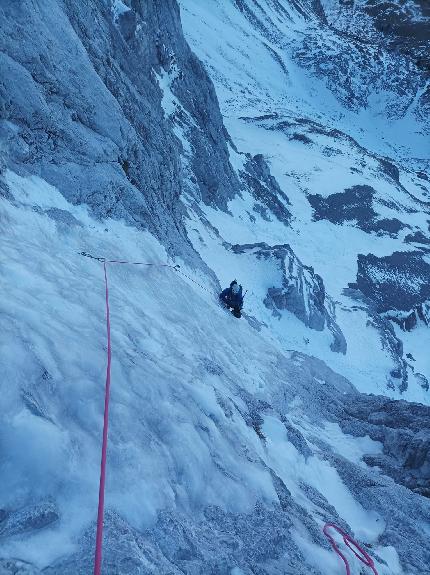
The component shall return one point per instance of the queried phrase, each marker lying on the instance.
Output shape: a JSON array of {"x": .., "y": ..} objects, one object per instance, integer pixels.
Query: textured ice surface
[
  {"x": 231, "y": 442},
  {"x": 224, "y": 450}
]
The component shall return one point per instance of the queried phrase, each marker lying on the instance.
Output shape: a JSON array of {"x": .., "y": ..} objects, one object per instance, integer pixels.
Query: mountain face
[
  {"x": 281, "y": 142},
  {"x": 341, "y": 116},
  {"x": 84, "y": 108},
  {"x": 402, "y": 26}
]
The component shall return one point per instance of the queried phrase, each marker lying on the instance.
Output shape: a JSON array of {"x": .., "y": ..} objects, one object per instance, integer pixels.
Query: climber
[{"x": 232, "y": 298}]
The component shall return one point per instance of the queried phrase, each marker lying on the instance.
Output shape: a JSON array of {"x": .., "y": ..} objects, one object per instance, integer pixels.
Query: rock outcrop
[
  {"x": 400, "y": 281},
  {"x": 301, "y": 290},
  {"x": 404, "y": 431},
  {"x": 91, "y": 101}
]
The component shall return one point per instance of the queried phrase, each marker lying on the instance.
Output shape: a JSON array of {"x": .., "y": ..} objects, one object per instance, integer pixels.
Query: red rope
[
  {"x": 100, "y": 513},
  {"x": 362, "y": 555},
  {"x": 349, "y": 542}
]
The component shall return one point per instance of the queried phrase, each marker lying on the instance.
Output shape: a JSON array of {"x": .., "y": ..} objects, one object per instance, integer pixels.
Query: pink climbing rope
[
  {"x": 100, "y": 513},
  {"x": 362, "y": 555}
]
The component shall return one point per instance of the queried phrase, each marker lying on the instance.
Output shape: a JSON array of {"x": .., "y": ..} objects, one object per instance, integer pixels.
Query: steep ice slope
[
  {"x": 155, "y": 142},
  {"x": 226, "y": 455},
  {"x": 227, "y": 451},
  {"x": 339, "y": 122}
]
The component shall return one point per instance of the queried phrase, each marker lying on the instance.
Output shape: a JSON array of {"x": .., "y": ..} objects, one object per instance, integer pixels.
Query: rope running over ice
[
  {"x": 100, "y": 511},
  {"x": 175, "y": 267},
  {"x": 349, "y": 542}
]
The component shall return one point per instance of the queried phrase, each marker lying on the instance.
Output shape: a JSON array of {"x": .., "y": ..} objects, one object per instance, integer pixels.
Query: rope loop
[{"x": 362, "y": 554}]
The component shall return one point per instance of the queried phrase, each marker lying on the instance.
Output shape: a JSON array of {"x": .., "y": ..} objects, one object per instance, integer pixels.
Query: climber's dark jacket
[{"x": 231, "y": 299}]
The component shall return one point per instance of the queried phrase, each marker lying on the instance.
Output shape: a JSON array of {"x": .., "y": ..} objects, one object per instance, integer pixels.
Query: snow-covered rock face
[
  {"x": 402, "y": 280},
  {"x": 403, "y": 25},
  {"x": 227, "y": 452},
  {"x": 340, "y": 119},
  {"x": 394, "y": 37},
  {"x": 89, "y": 94}
]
